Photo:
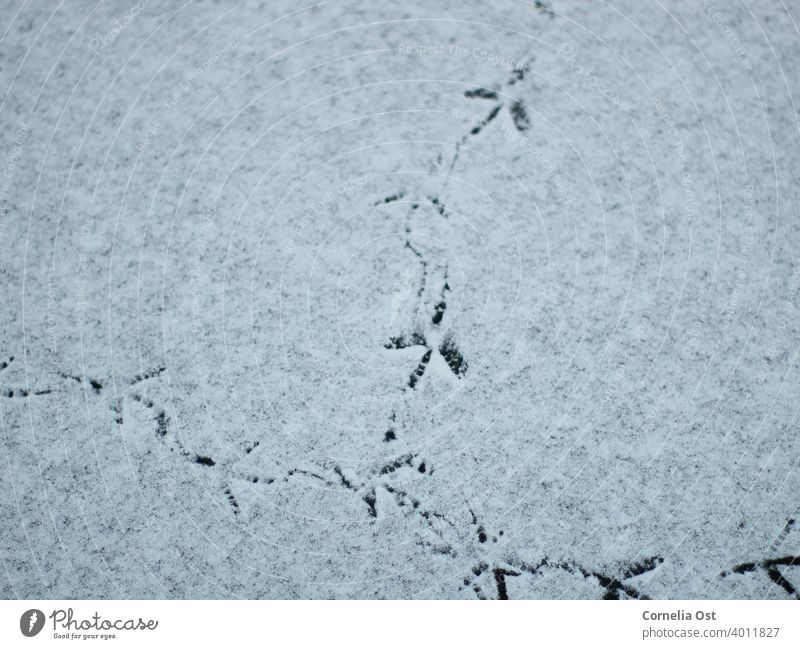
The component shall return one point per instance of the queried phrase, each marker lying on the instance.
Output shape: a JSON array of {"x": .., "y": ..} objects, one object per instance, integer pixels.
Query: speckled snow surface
[{"x": 399, "y": 300}]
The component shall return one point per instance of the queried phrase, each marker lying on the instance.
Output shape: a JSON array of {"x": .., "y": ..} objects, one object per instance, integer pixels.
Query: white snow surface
[{"x": 399, "y": 300}]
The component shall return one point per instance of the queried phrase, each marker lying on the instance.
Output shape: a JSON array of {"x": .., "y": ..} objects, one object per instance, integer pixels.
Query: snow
[{"x": 380, "y": 300}]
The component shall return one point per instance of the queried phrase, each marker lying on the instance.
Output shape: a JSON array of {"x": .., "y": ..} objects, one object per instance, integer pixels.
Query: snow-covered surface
[{"x": 398, "y": 300}]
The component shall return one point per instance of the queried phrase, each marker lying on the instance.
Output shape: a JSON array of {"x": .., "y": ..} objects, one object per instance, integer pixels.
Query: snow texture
[{"x": 399, "y": 300}]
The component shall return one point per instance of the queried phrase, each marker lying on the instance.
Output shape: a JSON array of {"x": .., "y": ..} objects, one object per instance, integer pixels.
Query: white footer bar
[{"x": 403, "y": 624}]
